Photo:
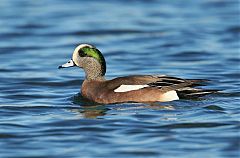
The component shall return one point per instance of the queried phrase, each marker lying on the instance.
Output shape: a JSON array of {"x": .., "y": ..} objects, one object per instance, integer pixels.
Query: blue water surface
[{"x": 42, "y": 113}]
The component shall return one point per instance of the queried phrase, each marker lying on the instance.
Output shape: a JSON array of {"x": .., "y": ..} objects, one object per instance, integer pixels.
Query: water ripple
[{"x": 43, "y": 114}]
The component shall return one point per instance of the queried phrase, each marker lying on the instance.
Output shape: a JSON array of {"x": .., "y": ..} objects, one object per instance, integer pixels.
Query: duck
[{"x": 133, "y": 88}]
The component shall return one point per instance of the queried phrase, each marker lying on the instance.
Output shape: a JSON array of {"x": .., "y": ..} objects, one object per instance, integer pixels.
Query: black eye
[{"x": 81, "y": 53}]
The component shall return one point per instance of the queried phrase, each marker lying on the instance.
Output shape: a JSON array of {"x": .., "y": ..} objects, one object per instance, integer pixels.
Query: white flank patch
[
  {"x": 127, "y": 88},
  {"x": 169, "y": 96}
]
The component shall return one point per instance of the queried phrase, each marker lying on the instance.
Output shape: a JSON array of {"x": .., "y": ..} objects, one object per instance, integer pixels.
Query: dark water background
[{"x": 41, "y": 114}]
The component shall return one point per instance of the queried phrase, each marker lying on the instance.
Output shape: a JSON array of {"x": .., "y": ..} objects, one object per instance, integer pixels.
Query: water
[{"x": 41, "y": 114}]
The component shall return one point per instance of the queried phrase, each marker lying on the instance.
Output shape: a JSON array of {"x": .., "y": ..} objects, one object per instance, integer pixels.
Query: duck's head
[{"x": 89, "y": 58}]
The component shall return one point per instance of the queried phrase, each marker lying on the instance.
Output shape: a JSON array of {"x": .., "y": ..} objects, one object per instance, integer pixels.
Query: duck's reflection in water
[
  {"x": 91, "y": 111},
  {"x": 88, "y": 109}
]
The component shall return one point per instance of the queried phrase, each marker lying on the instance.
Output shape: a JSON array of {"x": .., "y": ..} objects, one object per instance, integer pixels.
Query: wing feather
[{"x": 162, "y": 82}]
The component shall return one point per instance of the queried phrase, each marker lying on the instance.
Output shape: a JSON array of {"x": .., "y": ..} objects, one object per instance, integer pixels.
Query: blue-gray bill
[{"x": 70, "y": 63}]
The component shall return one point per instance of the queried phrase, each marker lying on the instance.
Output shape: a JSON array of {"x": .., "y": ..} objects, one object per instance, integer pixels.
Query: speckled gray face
[
  {"x": 90, "y": 59},
  {"x": 87, "y": 53},
  {"x": 93, "y": 52}
]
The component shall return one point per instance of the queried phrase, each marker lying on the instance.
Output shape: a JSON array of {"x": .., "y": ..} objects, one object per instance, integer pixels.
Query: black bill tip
[{"x": 60, "y": 67}]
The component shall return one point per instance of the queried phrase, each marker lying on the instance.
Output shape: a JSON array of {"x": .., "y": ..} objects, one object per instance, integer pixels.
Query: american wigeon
[{"x": 137, "y": 88}]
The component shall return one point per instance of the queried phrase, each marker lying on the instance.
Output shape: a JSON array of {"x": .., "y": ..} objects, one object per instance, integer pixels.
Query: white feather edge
[{"x": 127, "y": 88}]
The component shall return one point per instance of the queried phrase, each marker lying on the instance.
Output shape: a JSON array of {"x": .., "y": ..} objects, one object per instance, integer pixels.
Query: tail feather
[
  {"x": 189, "y": 92},
  {"x": 185, "y": 88}
]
